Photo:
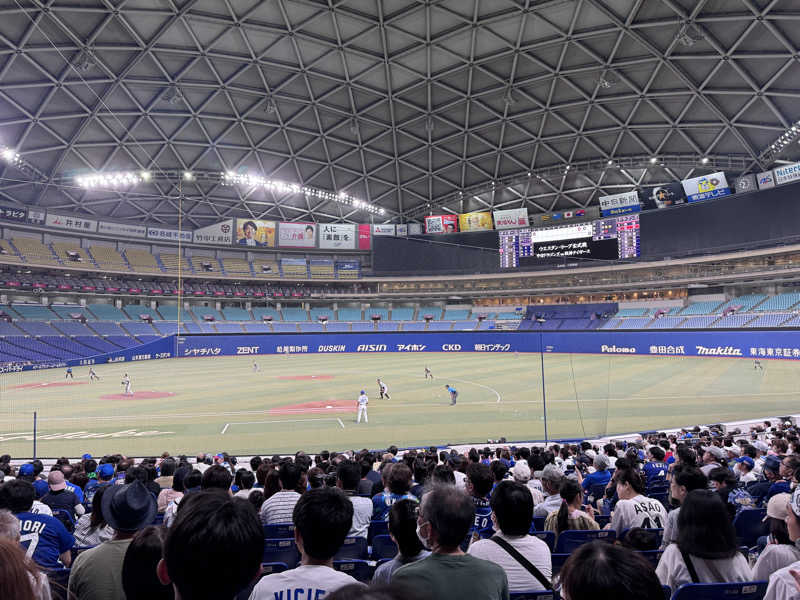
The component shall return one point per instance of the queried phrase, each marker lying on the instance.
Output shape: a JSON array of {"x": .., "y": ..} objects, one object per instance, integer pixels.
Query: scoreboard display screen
[{"x": 605, "y": 239}]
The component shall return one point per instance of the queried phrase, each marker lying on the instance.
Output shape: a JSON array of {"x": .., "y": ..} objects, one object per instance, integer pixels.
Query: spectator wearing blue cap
[
  {"x": 772, "y": 484},
  {"x": 743, "y": 469},
  {"x": 103, "y": 476}
]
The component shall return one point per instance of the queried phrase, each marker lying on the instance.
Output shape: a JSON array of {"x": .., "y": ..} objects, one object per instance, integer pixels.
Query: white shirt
[
  {"x": 519, "y": 579},
  {"x": 748, "y": 477},
  {"x": 40, "y": 508},
  {"x": 548, "y": 505},
  {"x": 362, "y": 400},
  {"x": 672, "y": 570},
  {"x": 305, "y": 581},
  {"x": 278, "y": 508},
  {"x": 640, "y": 511},
  {"x": 461, "y": 480},
  {"x": 384, "y": 387},
  {"x": 782, "y": 585},
  {"x": 362, "y": 515},
  {"x": 773, "y": 558}
]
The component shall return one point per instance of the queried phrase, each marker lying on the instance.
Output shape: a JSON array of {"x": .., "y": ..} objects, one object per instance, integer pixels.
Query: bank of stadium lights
[
  {"x": 787, "y": 137},
  {"x": 282, "y": 187},
  {"x": 113, "y": 180}
]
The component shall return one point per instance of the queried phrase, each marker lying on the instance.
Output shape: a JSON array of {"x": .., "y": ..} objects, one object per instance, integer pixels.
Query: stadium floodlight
[
  {"x": 282, "y": 187},
  {"x": 704, "y": 160},
  {"x": 10, "y": 155},
  {"x": 653, "y": 160},
  {"x": 786, "y": 138},
  {"x": 110, "y": 180},
  {"x": 188, "y": 176}
]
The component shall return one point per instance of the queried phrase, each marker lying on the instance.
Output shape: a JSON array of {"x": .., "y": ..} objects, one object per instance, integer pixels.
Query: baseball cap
[
  {"x": 759, "y": 445},
  {"x": 106, "y": 470},
  {"x": 772, "y": 463},
  {"x": 26, "y": 469},
  {"x": 552, "y": 473},
  {"x": 86, "y": 456},
  {"x": 715, "y": 451},
  {"x": 746, "y": 460},
  {"x": 736, "y": 450},
  {"x": 590, "y": 453},
  {"x": 363, "y": 392},
  {"x": 778, "y": 506},
  {"x": 56, "y": 481},
  {"x": 601, "y": 462}
]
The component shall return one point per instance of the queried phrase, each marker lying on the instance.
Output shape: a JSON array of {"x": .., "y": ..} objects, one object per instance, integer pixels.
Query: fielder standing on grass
[
  {"x": 93, "y": 375},
  {"x": 453, "y": 393},
  {"x": 383, "y": 390},
  {"x": 428, "y": 374},
  {"x": 362, "y": 407}
]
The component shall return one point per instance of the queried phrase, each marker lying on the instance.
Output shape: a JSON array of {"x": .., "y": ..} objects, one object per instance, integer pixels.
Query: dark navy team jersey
[
  {"x": 75, "y": 490},
  {"x": 381, "y": 503},
  {"x": 655, "y": 472},
  {"x": 44, "y": 539},
  {"x": 482, "y": 514}
]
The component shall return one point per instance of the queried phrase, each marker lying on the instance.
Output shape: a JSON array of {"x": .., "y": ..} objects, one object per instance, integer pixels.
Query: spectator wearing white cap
[
  {"x": 713, "y": 457},
  {"x": 782, "y": 583},
  {"x": 780, "y": 551},
  {"x": 521, "y": 473}
]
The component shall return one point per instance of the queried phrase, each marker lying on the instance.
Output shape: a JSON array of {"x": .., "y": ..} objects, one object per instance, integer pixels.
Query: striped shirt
[{"x": 278, "y": 508}]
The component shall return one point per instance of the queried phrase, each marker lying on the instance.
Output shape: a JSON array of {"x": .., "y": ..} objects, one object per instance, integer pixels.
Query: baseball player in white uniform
[
  {"x": 126, "y": 381},
  {"x": 383, "y": 390},
  {"x": 362, "y": 407}
]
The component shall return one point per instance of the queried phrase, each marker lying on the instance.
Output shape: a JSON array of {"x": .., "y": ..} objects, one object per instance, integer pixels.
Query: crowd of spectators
[{"x": 662, "y": 511}]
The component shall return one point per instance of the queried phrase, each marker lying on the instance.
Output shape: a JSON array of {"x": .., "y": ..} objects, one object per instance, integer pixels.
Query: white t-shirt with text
[
  {"x": 306, "y": 581},
  {"x": 640, "y": 511}
]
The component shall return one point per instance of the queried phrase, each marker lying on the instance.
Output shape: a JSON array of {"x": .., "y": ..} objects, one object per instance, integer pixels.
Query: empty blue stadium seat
[
  {"x": 294, "y": 314},
  {"x": 414, "y": 326},
  {"x": 383, "y": 313},
  {"x": 106, "y": 328},
  {"x": 336, "y": 326},
  {"x": 310, "y": 327},
  {"x": 106, "y": 312},
  {"x": 36, "y": 328},
  {"x": 383, "y": 547},
  {"x": 362, "y": 326},
  {"x": 779, "y": 302},
  {"x": 750, "y": 526},
  {"x": 233, "y": 313},
  {"x": 284, "y": 327},
  {"x": 34, "y": 312},
  {"x": 571, "y": 539},
  {"x": 402, "y": 314},
  {"x": 257, "y": 328},
  {"x": 433, "y": 311},
  {"x": 456, "y": 314},
  {"x": 229, "y": 327},
  {"x": 135, "y": 312},
  {"x": 202, "y": 312},
  {"x": 350, "y": 314},
  {"x": 745, "y": 590},
  {"x": 259, "y": 312},
  {"x": 388, "y": 326},
  {"x": 440, "y": 326},
  {"x": 281, "y": 550},
  {"x": 352, "y": 548},
  {"x": 136, "y": 328},
  {"x": 360, "y": 570}
]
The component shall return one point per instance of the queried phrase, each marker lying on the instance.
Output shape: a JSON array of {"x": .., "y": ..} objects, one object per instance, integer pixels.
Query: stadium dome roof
[{"x": 458, "y": 104}]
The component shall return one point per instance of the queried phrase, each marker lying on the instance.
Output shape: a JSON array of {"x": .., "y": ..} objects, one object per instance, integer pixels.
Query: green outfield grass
[{"x": 587, "y": 395}]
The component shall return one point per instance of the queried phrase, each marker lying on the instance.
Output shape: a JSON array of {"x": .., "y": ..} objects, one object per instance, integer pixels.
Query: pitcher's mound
[
  {"x": 46, "y": 384},
  {"x": 321, "y": 406},
  {"x": 148, "y": 395},
  {"x": 306, "y": 377}
]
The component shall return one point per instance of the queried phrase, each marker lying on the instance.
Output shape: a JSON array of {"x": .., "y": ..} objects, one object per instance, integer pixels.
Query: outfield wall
[
  {"x": 730, "y": 343},
  {"x": 783, "y": 344}
]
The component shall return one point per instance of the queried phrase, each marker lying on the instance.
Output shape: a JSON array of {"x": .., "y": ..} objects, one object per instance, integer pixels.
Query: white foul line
[
  {"x": 224, "y": 429},
  {"x": 494, "y": 391}
]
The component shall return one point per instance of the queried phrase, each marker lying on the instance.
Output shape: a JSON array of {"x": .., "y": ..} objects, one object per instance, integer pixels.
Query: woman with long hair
[
  {"x": 20, "y": 578},
  {"x": 92, "y": 529},
  {"x": 569, "y": 515},
  {"x": 706, "y": 550}
]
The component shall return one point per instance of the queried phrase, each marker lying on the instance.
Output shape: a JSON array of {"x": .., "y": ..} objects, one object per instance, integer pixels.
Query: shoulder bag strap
[
  {"x": 689, "y": 565},
  {"x": 528, "y": 565}
]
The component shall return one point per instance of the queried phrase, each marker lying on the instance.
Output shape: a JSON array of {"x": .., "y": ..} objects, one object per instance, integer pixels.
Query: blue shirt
[
  {"x": 75, "y": 490},
  {"x": 596, "y": 478},
  {"x": 452, "y": 390},
  {"x": 44, "y": 539},
  {"x": 655, "y": 472},
  {"x": 381, "y": 503},
  {"x": 482, "y": 513}
]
